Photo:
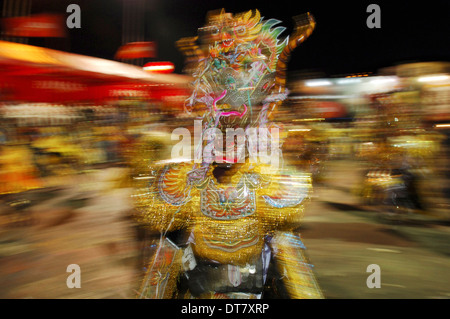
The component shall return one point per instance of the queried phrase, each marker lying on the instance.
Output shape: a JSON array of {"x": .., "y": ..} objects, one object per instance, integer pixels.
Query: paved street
[
  {"x": 91, "y": 230},
  {"x": 343, "y": 237},
  {"x": 87, "y": 224}
]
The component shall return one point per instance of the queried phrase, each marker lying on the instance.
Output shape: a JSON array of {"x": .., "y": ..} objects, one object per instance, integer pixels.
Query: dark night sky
[{"x": 342, "y": 43}]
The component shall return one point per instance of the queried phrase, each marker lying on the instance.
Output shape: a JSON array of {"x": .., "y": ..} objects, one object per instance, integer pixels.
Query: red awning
[{"x": 31, "y": 73}]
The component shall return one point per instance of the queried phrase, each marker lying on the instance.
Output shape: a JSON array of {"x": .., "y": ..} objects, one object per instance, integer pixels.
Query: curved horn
[{"x": 304, "y": 26}]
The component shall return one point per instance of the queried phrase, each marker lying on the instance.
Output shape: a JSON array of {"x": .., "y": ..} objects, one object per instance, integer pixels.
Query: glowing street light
[
  {"x": 318, "y": 83},
  {"x": 159, "y": 67},
  {"x": 433, "y": 78}
]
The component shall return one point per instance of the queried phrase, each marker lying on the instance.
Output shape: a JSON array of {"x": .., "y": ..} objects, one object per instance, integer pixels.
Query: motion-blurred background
[{"x": 368, "y": 115}]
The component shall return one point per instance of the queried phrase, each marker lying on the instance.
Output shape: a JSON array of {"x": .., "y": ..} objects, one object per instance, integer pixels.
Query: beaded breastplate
[{"x": 229, "y": 202}]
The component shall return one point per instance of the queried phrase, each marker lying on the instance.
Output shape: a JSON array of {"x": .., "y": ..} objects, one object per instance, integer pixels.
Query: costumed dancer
[{"x": 225, "y": 218}]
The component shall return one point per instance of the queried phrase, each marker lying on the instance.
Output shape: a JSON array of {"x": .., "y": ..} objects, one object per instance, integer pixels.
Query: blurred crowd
[
  {"x": 391, "y": 126},
  {"x": 398, "y": 132}
]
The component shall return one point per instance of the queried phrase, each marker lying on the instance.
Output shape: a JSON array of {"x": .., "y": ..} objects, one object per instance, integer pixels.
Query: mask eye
[
  {"x": 240, "y": 29},
  {"x": 214, "y": 30}
]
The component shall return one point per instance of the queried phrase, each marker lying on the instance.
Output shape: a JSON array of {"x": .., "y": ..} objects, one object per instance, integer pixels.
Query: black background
[{"x": 342, "y": 43}]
